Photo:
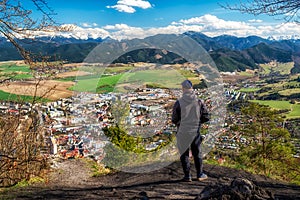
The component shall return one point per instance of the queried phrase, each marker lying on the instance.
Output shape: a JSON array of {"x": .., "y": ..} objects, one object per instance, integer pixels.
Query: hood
[{"x": 188, "y": 97}]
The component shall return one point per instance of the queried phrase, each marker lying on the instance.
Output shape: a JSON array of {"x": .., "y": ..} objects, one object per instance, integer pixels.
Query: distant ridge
[{"x": 230, "y": 53}]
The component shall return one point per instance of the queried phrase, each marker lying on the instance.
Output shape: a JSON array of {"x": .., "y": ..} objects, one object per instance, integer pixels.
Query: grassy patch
[
  {"x": 97, "y": 169},
  {"x": 166, "y": 78},
  {"x": 295, "y": 111},
  {"x": 31, "y": 181},
  {"x": 282, "y": 105},
  {"x": 246, "y": 73},
  {"x": 11, "y": 67},
  {"x": 5, "y": 96},
  {"x": 90, "y": 83},
  {"x": 14, "y": 71},
  {"x": 70, "y": 78},
  {"x": 284, "y": 88},
  {"x": 187, "y": 73},
  {"x": 118, "y": 69},
  {"x": 289, "y": 92},
  {"x": 249, "y": 89},
  {"x": 279, "y": 105},
  {"x": 282, "y": 68},
  {"x": 22, "y": 76}
]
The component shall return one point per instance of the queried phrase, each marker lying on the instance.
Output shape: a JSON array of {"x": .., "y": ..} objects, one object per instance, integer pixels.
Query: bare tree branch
[
  {"x": 21, "y": 138},
  {"x": 285, "y": 9}
]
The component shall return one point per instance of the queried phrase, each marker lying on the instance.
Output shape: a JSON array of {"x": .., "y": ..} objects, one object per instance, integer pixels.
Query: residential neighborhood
[
  {"x": 83, "y": 116},
  {"x": 73, "y": 127}
]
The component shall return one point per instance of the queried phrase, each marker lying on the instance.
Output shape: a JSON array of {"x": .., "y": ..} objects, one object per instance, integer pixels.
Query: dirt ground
[
  {"x": 72, "y": 73},
  {"x": 54, "y": 89},
  {"x": 237, "y": 78},
  {"x": 72, "y": 180}
]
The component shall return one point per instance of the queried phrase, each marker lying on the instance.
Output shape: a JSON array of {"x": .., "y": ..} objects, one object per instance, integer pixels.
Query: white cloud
[
  {"x": 255, "y": 21},
  {"x": 210, "y": 22},
  {"x": 286, "y": 29},
  {"x": 123, "y": 8},
  {"x": 116, "y": 27},
  {"x": 77, "y": 32},
  {"x": 207, "y": 24},
  {"x": 88, "y": 25},
  {"x": 201, "y": 20},
  {"x": 128, "y": 5},
  {"x": 137, "y": 3},
  {"x": 123, "y": 31}
]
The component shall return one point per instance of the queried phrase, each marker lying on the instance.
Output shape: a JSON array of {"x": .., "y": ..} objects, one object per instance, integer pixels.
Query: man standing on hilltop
[{"x": 189, "y": 112}]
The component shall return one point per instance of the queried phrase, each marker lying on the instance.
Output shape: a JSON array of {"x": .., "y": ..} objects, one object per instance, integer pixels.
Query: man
[{"x": 188, "y": 114}]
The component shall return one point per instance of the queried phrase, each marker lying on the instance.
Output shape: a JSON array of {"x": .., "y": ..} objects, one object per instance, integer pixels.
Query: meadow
[
  {"x": 121, "y": 78},
  {"x": 249, "y": 90},
  {"x": 282, "y": 68},
  {"x": 160, "y": 77},
  {"x": 15, "y": 71},
  {"x": 282, "y": 105},
  {"x": 5, "y": 96}
]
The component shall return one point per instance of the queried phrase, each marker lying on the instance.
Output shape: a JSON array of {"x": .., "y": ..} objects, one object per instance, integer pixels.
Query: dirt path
[
  {"x": 73, "y": 181},
  {"x": 70, "y": 173}
]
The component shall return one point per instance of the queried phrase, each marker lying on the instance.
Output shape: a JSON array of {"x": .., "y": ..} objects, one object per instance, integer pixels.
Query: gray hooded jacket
[{"x": 189, "y": 112}]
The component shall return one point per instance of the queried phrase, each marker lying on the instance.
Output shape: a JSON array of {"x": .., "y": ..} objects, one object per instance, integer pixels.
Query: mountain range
[{"x": 230, "y": 53}]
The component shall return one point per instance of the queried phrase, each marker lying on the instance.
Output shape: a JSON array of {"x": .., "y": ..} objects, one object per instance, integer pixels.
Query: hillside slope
[
  {"x": 230, "y": 53},
  {"x": 71, "y": 182}
]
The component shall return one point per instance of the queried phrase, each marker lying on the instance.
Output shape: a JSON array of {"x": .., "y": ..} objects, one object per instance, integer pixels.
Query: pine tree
[{"x": 270, "y": 149}]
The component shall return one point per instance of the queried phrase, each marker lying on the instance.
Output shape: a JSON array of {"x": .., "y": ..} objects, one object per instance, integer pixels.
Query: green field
[
  {"x": 14, "y": 71},
  {"x": 14, "y": 68},
  {"x": 92, "y": 83},
  {"x": 289, "y": 92},
  {"x": 100, "y": 81},
  {"x": 249, "y": 89},
  {"x": 5, "y": 96},
  {"x": 246, "y": 73},
  {"x": 282, "y": 105},
  {"x": 187, "y": 73},
  {"x": 118, "y": 70},
  {"x": 295, "y": 113},
  {"x": 165, "y": 78},
  {"x": 282, "y": 68},
  {"x": 285, "y": 88}
]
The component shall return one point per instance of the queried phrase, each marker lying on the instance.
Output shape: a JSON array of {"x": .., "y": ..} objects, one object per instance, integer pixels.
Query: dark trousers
[{"x": 197, "y": 154}]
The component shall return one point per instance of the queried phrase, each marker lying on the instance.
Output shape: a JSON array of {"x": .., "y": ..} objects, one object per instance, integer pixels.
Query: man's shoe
[
  {"x": 187, "y": 179},
  {"x": 202, "y": 177}
]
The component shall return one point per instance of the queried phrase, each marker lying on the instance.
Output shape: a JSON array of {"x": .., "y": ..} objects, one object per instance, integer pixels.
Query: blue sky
[
  {"x": 154, "y": 13},
  {"x": 138, "y": 18}
]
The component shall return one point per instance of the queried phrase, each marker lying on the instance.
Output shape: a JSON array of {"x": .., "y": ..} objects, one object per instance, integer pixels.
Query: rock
[
  {"x": 143, "y": 195},
  {"x": 243, "y": 186},
  {"x": 237, "y": 189}
]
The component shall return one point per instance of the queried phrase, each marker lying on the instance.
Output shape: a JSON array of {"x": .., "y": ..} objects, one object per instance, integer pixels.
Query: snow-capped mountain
[
  {"x": 280, "y": 38},
  {"x": 228, "y": 52}
]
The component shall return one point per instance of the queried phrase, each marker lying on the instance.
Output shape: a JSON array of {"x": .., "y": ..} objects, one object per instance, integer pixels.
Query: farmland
[
  {"x": 5, "y": 96},
  {"x": 167, "y": 78},
  {"x": 118, "y": 78},
  {"x": 281, "y": 68},
  {"x": 15, "y": 71},
  {"x": 282, "y": 105},
  {"x": 49, "y": 89},
  {"x": 96, "y": 83},
  {"x": 85, "y": 78},
  {"x": 22, "y": 87}
]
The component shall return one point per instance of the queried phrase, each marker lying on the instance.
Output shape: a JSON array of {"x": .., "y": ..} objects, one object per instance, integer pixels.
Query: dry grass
[
  {"x": 53, "y": 89},
  {"x": 72, "y": 74}
]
